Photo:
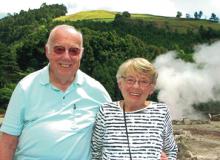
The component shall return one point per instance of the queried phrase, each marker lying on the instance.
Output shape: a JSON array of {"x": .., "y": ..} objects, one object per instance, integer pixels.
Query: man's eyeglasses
[
  {"x": 132, "y": 81},
  {"x": 72, "y": 51}
]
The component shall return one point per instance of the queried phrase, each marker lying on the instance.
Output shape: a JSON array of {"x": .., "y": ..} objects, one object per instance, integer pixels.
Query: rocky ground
[{"x": 198, "y": 141}]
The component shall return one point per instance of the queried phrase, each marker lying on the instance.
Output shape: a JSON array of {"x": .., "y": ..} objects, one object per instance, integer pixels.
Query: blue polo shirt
[{"x": 52, "y": 124}]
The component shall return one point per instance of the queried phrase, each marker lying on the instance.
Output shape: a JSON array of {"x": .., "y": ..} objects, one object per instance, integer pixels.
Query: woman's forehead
[{"x": 137, "y": 74}]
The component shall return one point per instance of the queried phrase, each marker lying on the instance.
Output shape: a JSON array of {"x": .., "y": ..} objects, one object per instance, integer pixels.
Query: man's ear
[
  {"x": 82, "y": 51},
  {"x": 46, "y": 50}
]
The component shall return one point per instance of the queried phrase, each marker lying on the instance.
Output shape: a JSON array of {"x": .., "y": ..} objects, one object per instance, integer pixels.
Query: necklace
[{"x": 126, "y": 131}]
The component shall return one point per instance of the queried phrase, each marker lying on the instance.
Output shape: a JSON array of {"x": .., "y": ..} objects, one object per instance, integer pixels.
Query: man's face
[{"x": 64, "y": 54}]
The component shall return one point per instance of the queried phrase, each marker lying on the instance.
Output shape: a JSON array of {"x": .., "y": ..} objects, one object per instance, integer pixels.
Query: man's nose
[{"x": 66, "y": 54}]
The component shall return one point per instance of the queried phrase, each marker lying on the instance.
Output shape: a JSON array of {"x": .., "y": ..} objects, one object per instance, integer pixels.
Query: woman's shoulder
[
  {"x": 110, "y": 106},
  {"x": 159, "y": 105}
]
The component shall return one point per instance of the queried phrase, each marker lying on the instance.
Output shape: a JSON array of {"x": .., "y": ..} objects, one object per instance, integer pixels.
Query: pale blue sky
[{"x": 155, "y": 7}]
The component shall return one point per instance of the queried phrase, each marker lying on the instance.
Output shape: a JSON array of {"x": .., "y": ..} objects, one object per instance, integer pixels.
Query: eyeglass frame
[
  {"x": 72, "y": 51},
  {"x": 132, "y": 81}
]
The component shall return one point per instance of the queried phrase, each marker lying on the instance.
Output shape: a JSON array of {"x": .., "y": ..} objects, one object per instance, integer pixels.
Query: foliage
[
  {"x": 122, "y": 17},
  {"x": 8, "y": 66},
  {"x": 214, "y": 18},
  {"x": 198, "y": 15},
  {"x": 209, "y": 107},
  {"x": 14, "y": 27},
  {"x": 187, "y": 16},
  {"x": 179, "y": 14},
  {"x": 31, "y": 53},
  {"x": 107, "y": 43},
  {"x": 5, "y": 94}
]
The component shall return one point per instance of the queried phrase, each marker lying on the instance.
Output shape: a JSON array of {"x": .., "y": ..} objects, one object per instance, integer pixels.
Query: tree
[
  {"x": 120, "y": 17},
  {"x": 126, "y": 14},
  {"x": 188, "y": 16},
  {"x": 8, "y": 65},
  {"x": 196, "y": 15},
  {"x": 30, "y": 55},
  {"x": 214, "y": 18},
  {"x": 179, "y": 14},
  {"x": 200, "y": 14},
  {"x": 5, "y": 94}
]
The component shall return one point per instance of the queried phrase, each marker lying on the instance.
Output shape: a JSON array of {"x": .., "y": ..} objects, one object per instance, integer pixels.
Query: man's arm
[
  {"x": 163, "y": 156},
  {"x": 8, "y": 144}
]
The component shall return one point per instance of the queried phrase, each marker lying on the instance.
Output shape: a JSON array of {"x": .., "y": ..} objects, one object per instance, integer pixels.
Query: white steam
[{"x": 182, "y": 84}]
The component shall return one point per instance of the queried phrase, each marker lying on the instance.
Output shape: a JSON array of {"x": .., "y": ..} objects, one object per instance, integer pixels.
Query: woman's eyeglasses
[
  {"x": 132, "y": 81},
  {"x": 59, "y": 50}
]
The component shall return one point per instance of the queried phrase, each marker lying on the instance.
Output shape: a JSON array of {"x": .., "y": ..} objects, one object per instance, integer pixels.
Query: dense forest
[{"x": 107, "y": 44}]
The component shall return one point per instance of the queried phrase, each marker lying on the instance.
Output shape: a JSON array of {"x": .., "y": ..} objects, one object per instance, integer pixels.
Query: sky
[{"x": 155, "y": 7}]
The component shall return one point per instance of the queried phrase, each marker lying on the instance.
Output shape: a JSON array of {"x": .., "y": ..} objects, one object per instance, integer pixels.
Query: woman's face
[{"x": 135, "y": 88}]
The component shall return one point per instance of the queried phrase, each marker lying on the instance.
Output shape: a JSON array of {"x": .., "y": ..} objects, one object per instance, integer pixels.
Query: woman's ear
[
  {"x": 151, "y": 90},
  {"x": 119, "y": 84}
]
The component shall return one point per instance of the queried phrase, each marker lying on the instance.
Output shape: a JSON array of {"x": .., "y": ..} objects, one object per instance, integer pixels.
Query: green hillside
[
  {"x": 89, "y": 15},
  {"x": 173, "y": 23}
]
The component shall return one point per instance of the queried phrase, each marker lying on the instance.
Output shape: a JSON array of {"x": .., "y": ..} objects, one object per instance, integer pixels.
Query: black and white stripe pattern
[{"x": 149, "y": 131}]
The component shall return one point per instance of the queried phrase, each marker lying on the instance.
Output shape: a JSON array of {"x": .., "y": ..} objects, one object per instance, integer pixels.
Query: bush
[{"x": 5, "y": 94}]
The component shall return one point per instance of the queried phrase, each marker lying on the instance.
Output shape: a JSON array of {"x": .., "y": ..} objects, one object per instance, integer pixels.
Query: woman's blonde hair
[{"x": 137, "y": 65}]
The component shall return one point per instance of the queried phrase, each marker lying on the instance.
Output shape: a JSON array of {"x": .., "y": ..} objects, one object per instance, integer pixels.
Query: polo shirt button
[{"x": 64, "y": 97}]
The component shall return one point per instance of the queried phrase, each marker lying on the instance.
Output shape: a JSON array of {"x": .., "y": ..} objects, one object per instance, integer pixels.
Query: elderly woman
[{"x": 134, "y": 128}]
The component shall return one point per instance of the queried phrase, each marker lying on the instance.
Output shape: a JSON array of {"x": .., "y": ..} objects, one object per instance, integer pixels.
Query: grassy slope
[
  {"x": 89, "y": 15},
  {"x": 180, "y": 24}
]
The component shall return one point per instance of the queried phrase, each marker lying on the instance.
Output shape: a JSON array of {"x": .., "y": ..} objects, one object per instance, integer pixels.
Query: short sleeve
[{"x": 14, "y": 118}]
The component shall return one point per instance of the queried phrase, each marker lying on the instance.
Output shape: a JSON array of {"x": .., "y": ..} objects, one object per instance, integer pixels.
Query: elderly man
[{"x": 52, "y": 111}]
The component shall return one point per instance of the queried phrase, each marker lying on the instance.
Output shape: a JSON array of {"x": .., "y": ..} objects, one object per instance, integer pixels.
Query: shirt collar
[
  {"x": 44, "y": 75},
  {"x": 79, "y": 77},
  {"x": 45, "y": 78}
]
